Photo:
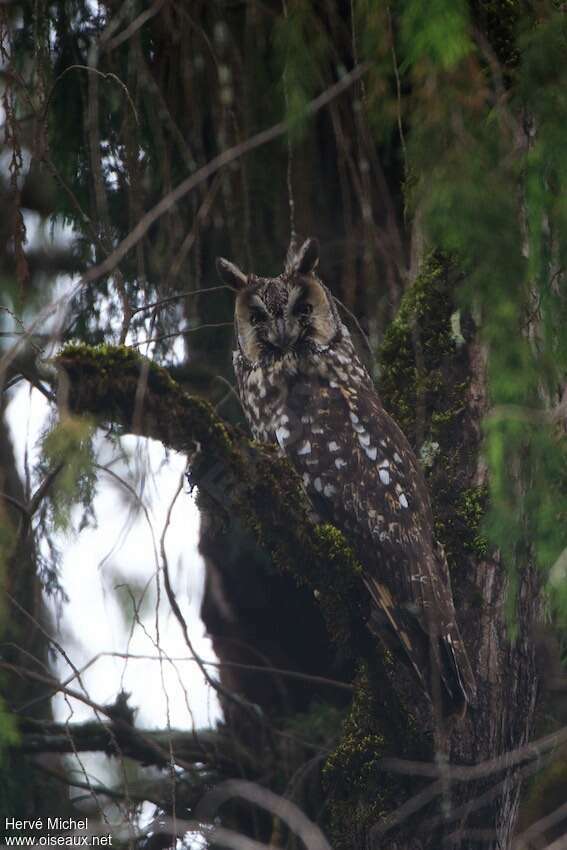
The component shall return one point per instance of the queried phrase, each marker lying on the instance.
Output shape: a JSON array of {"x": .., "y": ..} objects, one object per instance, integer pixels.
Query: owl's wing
[{"x": 358, "y": 467}]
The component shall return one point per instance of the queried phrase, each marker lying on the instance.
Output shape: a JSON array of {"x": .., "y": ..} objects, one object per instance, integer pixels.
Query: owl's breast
[
  {"x": 264, "y": 393},
  {"x": 354, "y": 462},
  {"x": 353, "y": 458}
]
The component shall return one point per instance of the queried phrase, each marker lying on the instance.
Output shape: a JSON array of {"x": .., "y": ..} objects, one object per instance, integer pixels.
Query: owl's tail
[
  {"x": 434, "y": 652},
  {"x": 459, "y": 688}
]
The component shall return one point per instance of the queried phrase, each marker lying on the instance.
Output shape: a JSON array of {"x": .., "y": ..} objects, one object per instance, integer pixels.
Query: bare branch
[
  {"x": 284, "y": 809},
  {"x": 255, "y": 668},
  {"x": 147, "y": 746},
  {"x": 44, "y": 488},
  {"x": 107, "y": 76},
  {"x": 170, "y": 298},
  {"x": 182, "y": 332},
  {"x": 101, "y": 790}
]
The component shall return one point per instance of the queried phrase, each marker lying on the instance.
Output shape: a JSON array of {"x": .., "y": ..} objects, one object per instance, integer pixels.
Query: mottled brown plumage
[{"x": 303, "y": 387}]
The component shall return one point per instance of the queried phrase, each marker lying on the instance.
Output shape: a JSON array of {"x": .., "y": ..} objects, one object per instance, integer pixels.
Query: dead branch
[{"x": 216, "y": 749}]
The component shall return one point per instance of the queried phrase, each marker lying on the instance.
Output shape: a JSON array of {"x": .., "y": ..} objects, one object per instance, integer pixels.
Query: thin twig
[
  {"x": 466, "y": 773},
  {"x": 182, "y": 332},
  {"x": 220, "y": 689},
  {"x": 214, "y": 165},
  {"x": 357, "y": 323},
  {"x": 133, "y": 27},
  {"x": 256, "y": 668},
  {"x": 200, "y": 218},
  {"x": 102, "y": 790},
  {"x": 295, "y": 819},
  {"x": 177, "y": 297},
  {"x": 289, "y": 172},
  {"x": 398, "y": 93},
  {"x": 105, "y": 76}
]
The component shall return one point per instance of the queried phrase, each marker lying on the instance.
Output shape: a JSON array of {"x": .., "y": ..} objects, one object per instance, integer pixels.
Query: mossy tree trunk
[
  {"x": 441, "y": 409},
  {"x": 433, "y": 380}
]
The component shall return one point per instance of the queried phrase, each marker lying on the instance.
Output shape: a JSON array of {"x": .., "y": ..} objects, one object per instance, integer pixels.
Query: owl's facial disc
[
  {"x": 310, "y": 302},
  {"x": 277, "y": 317}
]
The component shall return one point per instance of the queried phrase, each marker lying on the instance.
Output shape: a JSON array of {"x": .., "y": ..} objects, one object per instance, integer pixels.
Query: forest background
[{"x": 423, "y": 145}]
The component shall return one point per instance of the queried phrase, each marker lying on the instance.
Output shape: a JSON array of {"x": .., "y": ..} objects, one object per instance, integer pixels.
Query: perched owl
[{"x": 303, "y": 387}]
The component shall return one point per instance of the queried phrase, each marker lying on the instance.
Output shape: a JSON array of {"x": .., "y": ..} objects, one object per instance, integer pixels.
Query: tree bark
[{"x": 450, "y": 391}]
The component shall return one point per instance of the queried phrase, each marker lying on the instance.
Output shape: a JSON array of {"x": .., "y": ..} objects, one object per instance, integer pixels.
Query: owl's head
[{"x": 293, "y": 313}]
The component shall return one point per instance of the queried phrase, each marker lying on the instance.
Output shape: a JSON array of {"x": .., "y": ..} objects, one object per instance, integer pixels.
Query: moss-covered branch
[{"x": 245, "y": 481}]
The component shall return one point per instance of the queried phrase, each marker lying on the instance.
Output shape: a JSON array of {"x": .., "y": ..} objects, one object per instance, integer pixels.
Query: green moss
[
  {"x": 361, "y": 792},
  {"x": 415, "y": 349},
  {"x": 103, "y": 366},
  {"x": 459, "y": 518},
  {"x": 337, "y": 547},
  {"x": 472, "y": 508},
  {"x": 424, "y": 385},
  {"x": 104, "y": 355},
  {"x": 360, "y": 745},
  {"x": 336, "y": 580},
  {"x": 328, "y": 564}
]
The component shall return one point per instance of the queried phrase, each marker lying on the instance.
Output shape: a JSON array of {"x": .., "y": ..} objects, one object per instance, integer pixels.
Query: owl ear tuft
[
  {"x": 230, "y": 274},
  {"x": 307, "y": 257}
]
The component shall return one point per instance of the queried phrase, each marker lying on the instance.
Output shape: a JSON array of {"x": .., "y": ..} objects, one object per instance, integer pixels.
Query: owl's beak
[
  {"x": 279, "y": 335},
  {"x": 282, "y": 339}
]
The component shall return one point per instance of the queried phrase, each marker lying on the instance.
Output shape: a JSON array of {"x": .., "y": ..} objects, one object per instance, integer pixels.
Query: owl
[{"x": 303, "y": 387}]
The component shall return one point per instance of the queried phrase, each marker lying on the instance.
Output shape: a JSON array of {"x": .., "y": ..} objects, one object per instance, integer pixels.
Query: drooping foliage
[{"x": 485, "y": 143}]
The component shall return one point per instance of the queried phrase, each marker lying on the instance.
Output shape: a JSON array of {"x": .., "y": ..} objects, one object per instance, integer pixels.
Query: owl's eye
[
  {"x": 303, "y": 308},
  {"x": 256, "y": 316}
]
